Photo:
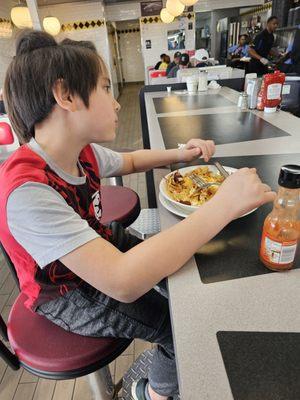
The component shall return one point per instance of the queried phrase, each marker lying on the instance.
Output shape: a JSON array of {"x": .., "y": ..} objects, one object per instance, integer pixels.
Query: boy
[{"x": 66, "y": 263}]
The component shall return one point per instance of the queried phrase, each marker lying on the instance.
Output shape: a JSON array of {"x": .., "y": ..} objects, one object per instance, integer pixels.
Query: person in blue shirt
[{"x": 241, "y": 49}]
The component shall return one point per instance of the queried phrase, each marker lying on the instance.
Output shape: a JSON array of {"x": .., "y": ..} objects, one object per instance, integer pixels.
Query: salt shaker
[
  {"x": 239, "y": 104},
  {"x": 244, "y": 105}
]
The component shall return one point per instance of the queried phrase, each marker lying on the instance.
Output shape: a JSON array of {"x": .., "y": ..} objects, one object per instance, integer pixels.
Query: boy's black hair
[
  {"x": 271, "y": 18},
  {"x": 83, "y": 43},
  {"x": 245, "y": 36},
  {"x": 39, "y": 63}
]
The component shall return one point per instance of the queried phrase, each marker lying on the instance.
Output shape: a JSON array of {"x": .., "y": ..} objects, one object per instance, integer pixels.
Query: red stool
[
  {"x": 49, "y": 351},
  {"x": 6, "y": 135},
  {"x": 119, "y": 204}
]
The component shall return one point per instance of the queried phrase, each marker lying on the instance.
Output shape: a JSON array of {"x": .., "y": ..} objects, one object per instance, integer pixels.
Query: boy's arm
[
  {"x": 127, "y": 276},
  {"x": 143, "y": 160}
]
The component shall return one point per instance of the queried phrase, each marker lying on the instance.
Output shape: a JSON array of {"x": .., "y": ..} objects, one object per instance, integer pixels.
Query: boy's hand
[
  {"x": 196, "y": 148},
  {"x": 243, "y": 191}
]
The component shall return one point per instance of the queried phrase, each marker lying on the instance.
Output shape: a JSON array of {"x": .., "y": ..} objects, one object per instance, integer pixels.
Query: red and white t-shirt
[{"x": 46, "y": 213}]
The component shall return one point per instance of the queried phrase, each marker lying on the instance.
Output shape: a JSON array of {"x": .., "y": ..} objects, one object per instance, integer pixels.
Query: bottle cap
[{"x": 289, "y": 176}]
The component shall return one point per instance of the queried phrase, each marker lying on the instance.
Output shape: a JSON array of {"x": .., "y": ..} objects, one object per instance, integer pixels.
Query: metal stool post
[{"x": 101, "y": 384}]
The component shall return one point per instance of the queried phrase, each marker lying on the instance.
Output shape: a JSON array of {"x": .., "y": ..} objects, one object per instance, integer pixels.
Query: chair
[{"x": 60, "y": 354}]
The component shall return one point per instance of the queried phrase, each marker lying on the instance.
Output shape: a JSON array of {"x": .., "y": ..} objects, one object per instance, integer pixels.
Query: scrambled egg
[{"x": 181, "y": 188}]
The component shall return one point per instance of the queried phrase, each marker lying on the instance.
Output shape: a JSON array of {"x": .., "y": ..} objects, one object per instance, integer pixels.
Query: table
[{"x": 236, "y": 330}]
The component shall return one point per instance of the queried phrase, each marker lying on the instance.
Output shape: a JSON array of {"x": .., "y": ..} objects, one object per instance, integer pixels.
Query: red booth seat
[{"x": 158, "y": 74}]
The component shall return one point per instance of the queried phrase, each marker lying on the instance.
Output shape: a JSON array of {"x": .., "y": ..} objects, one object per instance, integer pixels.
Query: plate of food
[
  {"x": 181, "y": 193},
  {"x": 170, "y": 207}
]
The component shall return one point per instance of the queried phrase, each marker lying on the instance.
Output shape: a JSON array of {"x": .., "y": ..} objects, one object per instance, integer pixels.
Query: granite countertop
[{"x": 214, "y": 324}]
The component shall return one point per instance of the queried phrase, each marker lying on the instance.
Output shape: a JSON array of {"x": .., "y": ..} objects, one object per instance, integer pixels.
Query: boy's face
[{"x": 102, "y": 114}]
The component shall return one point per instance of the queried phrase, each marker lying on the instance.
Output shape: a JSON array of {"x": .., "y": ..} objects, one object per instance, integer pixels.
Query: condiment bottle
[
  {"x": 272, "y": 91},
  {"x": 260, "y": 99},
  {"x": 281, "y": 230}
]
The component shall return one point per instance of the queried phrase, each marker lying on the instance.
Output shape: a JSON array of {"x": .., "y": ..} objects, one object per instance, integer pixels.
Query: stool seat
[
  {"x": 6, "y": 135},
  {"x": 50, "y": 351},
  {"x": 119, "y": 204}
]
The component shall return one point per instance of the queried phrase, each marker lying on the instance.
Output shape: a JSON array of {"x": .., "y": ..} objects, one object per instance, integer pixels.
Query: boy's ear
[{"x": 64, "y": 98}]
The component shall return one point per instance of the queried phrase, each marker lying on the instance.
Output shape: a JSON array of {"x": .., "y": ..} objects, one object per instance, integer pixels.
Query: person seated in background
[
  {"x": 184, "y": 62},
  {"x": 157, "y": 65},
  {"x": 174, "y": 62},
  {"x": 2, "y": 108},
  {"x": 165, "y": 62},
  {"x": 200, "y": 59},
  {"x": 239, "y": 50}
]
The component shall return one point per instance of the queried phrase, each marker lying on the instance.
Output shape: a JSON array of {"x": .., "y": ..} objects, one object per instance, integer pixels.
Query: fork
[
  {"x": 221, "y": 169},
  {"x": 202, "y": 183}
]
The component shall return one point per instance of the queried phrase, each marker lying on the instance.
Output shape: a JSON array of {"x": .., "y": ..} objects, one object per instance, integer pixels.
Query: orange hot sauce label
[{"x": 276, "y": 252}]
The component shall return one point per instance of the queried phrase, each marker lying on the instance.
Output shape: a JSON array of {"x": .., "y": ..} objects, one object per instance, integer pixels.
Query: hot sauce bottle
[{"x": 281, "y": 230}]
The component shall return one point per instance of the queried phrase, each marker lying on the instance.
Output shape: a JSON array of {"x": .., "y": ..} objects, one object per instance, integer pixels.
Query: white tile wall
[
  {"x": 157, "y": 33},
  {"x": 6, "y": 45},
  {"x": 72, "y": 12},
  {"x": 132, "y": 59}
]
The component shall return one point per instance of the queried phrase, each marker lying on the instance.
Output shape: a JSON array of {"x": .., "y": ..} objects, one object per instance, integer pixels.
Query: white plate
[
  {"x": 169, "y": 206},
  {"x": 183, "y": 210},
  {"x": 186, "y": 208}
]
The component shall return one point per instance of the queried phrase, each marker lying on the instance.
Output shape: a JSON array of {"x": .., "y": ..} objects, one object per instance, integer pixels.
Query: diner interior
[{"x": 185, "y": 73}]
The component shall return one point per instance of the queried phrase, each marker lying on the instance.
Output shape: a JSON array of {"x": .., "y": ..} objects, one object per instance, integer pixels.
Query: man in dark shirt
[
  {"x": 261, "y": 47},
  {"x": 175, "y": 62}
]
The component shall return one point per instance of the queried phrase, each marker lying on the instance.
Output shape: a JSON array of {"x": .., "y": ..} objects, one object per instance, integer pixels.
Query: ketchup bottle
[
  {"x": 273, "y": 84},
  {"x": 281, "y": 230}
]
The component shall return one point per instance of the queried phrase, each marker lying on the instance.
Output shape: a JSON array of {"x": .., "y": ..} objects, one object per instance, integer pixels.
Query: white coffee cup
[
  {"x": 191, "y": 84},
  {"x": 169, "y": 88}
]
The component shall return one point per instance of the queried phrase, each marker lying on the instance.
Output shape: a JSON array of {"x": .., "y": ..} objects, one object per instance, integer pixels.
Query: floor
[{"x": 21, "y": 385}]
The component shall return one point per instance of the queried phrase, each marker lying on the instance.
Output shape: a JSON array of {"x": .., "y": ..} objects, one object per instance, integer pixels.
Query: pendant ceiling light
[
  {"x": 174, "y": 7},
  {"x": 188, "y": 2},
  {"x": 20, "y": 16},
  {"x": 166, "y": 17},
  {"x": 51, "y": 25}
]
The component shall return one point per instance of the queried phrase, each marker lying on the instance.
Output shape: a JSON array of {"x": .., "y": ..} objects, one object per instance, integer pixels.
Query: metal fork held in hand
[
  {"x": 202, "y": 183},
  {"x": 221, "y": 169}
]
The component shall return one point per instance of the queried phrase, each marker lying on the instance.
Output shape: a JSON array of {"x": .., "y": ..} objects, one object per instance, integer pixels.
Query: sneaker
[{"x": 138, "y": 389}]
